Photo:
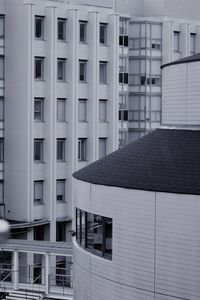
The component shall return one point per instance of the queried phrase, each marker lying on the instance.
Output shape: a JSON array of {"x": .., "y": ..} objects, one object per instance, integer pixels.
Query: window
[
  {"x": 1, "y": 149},
  {"x": 82, "y": 70},
  {"x": 38, "y": 233},
  {"x": 61, "y": 109},
  {"x": 123, "y": 64},
  {"x": 94, "y": 233},
  {"x": 102, "y": 147},
  {"x": 123, "y": 115},
  {"x": 103, "y": 33},
  {"x": 38, "y": 150},
  {"x": 1, "y": 108},
  {"x": 1, "y": 193},
  {"x": 60, "y": 190},
  {"x": 60, "y": 237},
  {"x": 82, "y": 110},
  {"x": 123, "y": 26},
  {"x": 156, "y": 44},
  {"x": 39, "y": 27},
  {"x": 123, "y": 78},
  {"x": 61, "y": 29},
  {"x": 82, "y": 149},
  {"x": 38, "y": 192},
  {"x": 1, "y": 27},
  {"x": 83, "y": 31},
  {"x": 1, "y": 67},
  {"x": 176, "y": 41},
  {"x": 39, "y": 109},
  {"x": 61, "y": 69},
  {"x": 61, "y": 149},
  {"x": 103, "y": 72},
  {"x": 123, "y": 40},
  {"x": 39, "y": 68},
  {"x": 192, "y": 43},
  {"x": 102, "y": 110}
]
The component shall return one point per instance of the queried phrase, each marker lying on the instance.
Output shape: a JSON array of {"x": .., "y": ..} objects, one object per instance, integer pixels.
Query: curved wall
[
  {"x": 181, "y": 94},
  {"x": 155, "y": 246}
]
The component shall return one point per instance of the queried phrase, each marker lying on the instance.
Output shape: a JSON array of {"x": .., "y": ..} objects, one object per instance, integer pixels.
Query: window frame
[
  {"x": 61, "y": 157},
  {"x": 103, "y": 139},
  {"x": 105, "y": 117},
  {"x": 103, "y": 39},
  {"x": 37, "y": 59},
  {"x": 82, "y": 101},
  {"x": 105, "y": 72},
  {"x": 176, "y": 35},
  {"x": 61, "y": 61},
  {"x": 40, "y": 141},
  {"x": 41, "y": 18},
  {"x": 1, "y": 149},
  {"x": 41, "y": 100},
  {"x": 63, "y": 21},
  {"x": 63, "y": 181},
  {"x": 41, "y": 202},
  {"x": 84, "y": 63},
  {"x": 82, "y": 149},
  {"x": 84, "y": 40},
  {"x": 61, "y": 100}
]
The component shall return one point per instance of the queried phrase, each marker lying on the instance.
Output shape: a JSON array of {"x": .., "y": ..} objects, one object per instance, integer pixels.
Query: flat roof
[{"x": 166, "y": 160}]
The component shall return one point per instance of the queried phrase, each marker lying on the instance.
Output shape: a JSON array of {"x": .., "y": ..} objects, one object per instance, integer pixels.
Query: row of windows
[
  {"x": 61, "y": 149},
  {"x": 176, "y": 42},
  {"x": 94, "y": 233},
  {"x": 145, "y": 43},
  {"x": 62, "y": 30},
  {"x": 61, "y": 70},
  {"x": 150, "y": 80},
  {"x": 61, "y": 110},
  {"x": 39, "y": 191}
]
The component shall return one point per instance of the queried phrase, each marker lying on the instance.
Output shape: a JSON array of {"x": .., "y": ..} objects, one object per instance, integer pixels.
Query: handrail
[
  {"x": 6, "y": 277},
  {"x": 36, "y": 279}
]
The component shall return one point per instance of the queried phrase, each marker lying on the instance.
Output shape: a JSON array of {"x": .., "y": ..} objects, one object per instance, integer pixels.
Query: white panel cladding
[
  {"x": 181, "y": 94},
  {"x": 177, "y": 245}
]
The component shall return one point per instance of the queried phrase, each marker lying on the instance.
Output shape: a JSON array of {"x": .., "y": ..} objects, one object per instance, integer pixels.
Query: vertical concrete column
[
  {"x": 198, "y": 40},
  {"x": 15, "y": 269},
  {"x": 47, "y": 272},
  {"x": 185, "y": 40},
  {"x": 167, "y": 42}
]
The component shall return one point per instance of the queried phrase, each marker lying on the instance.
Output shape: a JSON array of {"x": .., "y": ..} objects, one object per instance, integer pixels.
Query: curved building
[{"x": 138, "y": 209}]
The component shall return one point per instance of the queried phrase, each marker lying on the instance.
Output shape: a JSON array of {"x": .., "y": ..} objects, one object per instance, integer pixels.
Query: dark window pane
[
  {"x": 121, "y": 40},
  {"x": 108, "y": 238},
  {"x": 126, "y": 78},
  {"x": 126, "y": 41}
]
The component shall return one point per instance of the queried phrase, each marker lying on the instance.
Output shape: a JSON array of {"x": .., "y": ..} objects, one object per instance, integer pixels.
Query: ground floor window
[{"x": 94, "y": 233}]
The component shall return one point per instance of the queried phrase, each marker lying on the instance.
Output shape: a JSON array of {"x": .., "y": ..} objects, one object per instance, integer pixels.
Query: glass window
[
  {"x": 39, "y": 109},
  {"x": 1, "y": 27},
  {"x": 82, "y": 110},
  {"x": 82, "y": 149},
  {"x": 60, "y": 190},
  {"x": 1, "y": 192},
  {"x": 123, "y": 26},
  {"x": 102, "y": 110},
  {"x": 1, "y": 67},
  {"x": 176, "y": 41},
  {"x": 1, "y": 108},
  {"x": 102, "y": 147},
  {"x": 61, "y": 235},
  {"x": 192, "y": 43},
  {"x": 61, "y": 29},
  {"x": 82, "y": 70},
  {"x": 39, "y": 68},
  {"x": 103, "y": 33},
  {"x": 38, "y": 150},
  {"x": 1, "y": 149},
  {"x": 39, "y": 27},
  {"x": 61, "y": 149},
  {"x": 61, "y": 69},
  {"x": 123, "y": 78},
  {"x": 103, "y": 72},
  {"x": 61, "y": 110},
  {"x": 38, "y": 192},
  {"x": 83, "y": 31}
]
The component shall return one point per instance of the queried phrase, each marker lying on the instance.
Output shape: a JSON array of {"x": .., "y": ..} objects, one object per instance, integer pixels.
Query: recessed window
[
  {"x": 39, "y": 27},
  {"x": 38, "y": 192},
  {"x": 123, "y": 78},
  {"x": 1, "y": 67},
  {"x": 82, "y": 143},
  {"x": 61, "y": 69},
  {"x": 39, "y": 109},
  {"x": 1, "y": 192},
  {"x": 103, "y": 33},
  {"x": 1, "y": 108},
  {"x": 1, "y": 149},
  {"x": 61, "y": 149},
  {"x": 60, "y": 190},
  {"x": 123, "y": 26},
  {"x": 60, "y": 237},
  {"x": 2, "y": 27},
  {"x": 82, "y": 70},
  {"x": 103, "y": 71},
  {"x": 83, "y": 31},
  {"x": 38, "y": 150},
  {"x": 176, "y": 41},
  {"x": 123, "y": 40},
  {"x": 82, "y": 110},
  {"x": 61, "y": 29},
  {"x": 61, "y": 109},
  {"x": 39, "y": 68},
  {"x": 94, "y": 233},
  {"x": 102, "y": 147},
  {"x": 102, "y": 110},
  {"x": 192, "y": 43}
]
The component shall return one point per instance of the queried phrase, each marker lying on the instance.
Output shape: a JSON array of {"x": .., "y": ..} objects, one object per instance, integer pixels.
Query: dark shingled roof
[
  {"x": 188, "y": 59},
  {"x": 166, "y": 160}
]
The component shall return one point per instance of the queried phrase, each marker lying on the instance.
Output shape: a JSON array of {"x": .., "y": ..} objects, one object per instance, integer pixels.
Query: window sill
[
  {"x": 83, "y": 121},
  {"x": 83, "y": 43},
  {"x": 39, "y": 162},
  {"x": 61, "y": 161},
  {"x": 105, "y": 45},
  {"x": 62, "y": 121},
  {"x": 62, "y": 41},
  {"x": 38, "y": 204},
  {"x": 39, "y": 80},
  {"x": 39, "y": 121},
  {"x": 103, "y": 83},
  {"x": 80, "y": 160},
  {"x": 40, "y": 39},
  {"x": 83, "y": 82},
  {"x": 61, "y": 202},
  {"x": 62, "y": 80}
]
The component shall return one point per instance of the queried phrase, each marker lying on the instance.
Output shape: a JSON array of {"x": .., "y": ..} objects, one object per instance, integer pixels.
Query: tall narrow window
[
  {"x": 39, "y": 109},
  {"x": 1, "y": 149},
  {"x": 61, "y": 109},
  {"x": 192, "y": 43},
  {"x": 38, "y": 192},
  {"x": 1, "y": 192},
  {"x": 39, "y": 68},
  {"x": 38, "y": 150},
  {"x": 83, "y": 31},
  {"x": 61, "y": 69},
  {"x": 61, "y": 149},
  {"x": 1, "y": 27},
  {"x": 82, "y": 70},
  {"x": 82, "y": 110},
  {"x": 102, "y": 147},
  {"x": 1, "y": 108},
  {"x": 60, "y": 190},
  {"x": 103, "y": 72},
  {"x": 82, "y": 149},
  {"x": 103, "y": 33},
  {"x": 176, "y": 41},
  {"x": 1, "y": 67},
  {"x": 39, "y": 27},
  {"x": 60, "y": 237},
  {"x": 102, "y": 110},
  {"x": 61, "y": 29}
]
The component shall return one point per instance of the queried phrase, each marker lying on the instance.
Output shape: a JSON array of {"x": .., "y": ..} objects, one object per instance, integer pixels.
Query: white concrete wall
[{"x": 155, "y": 246}]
